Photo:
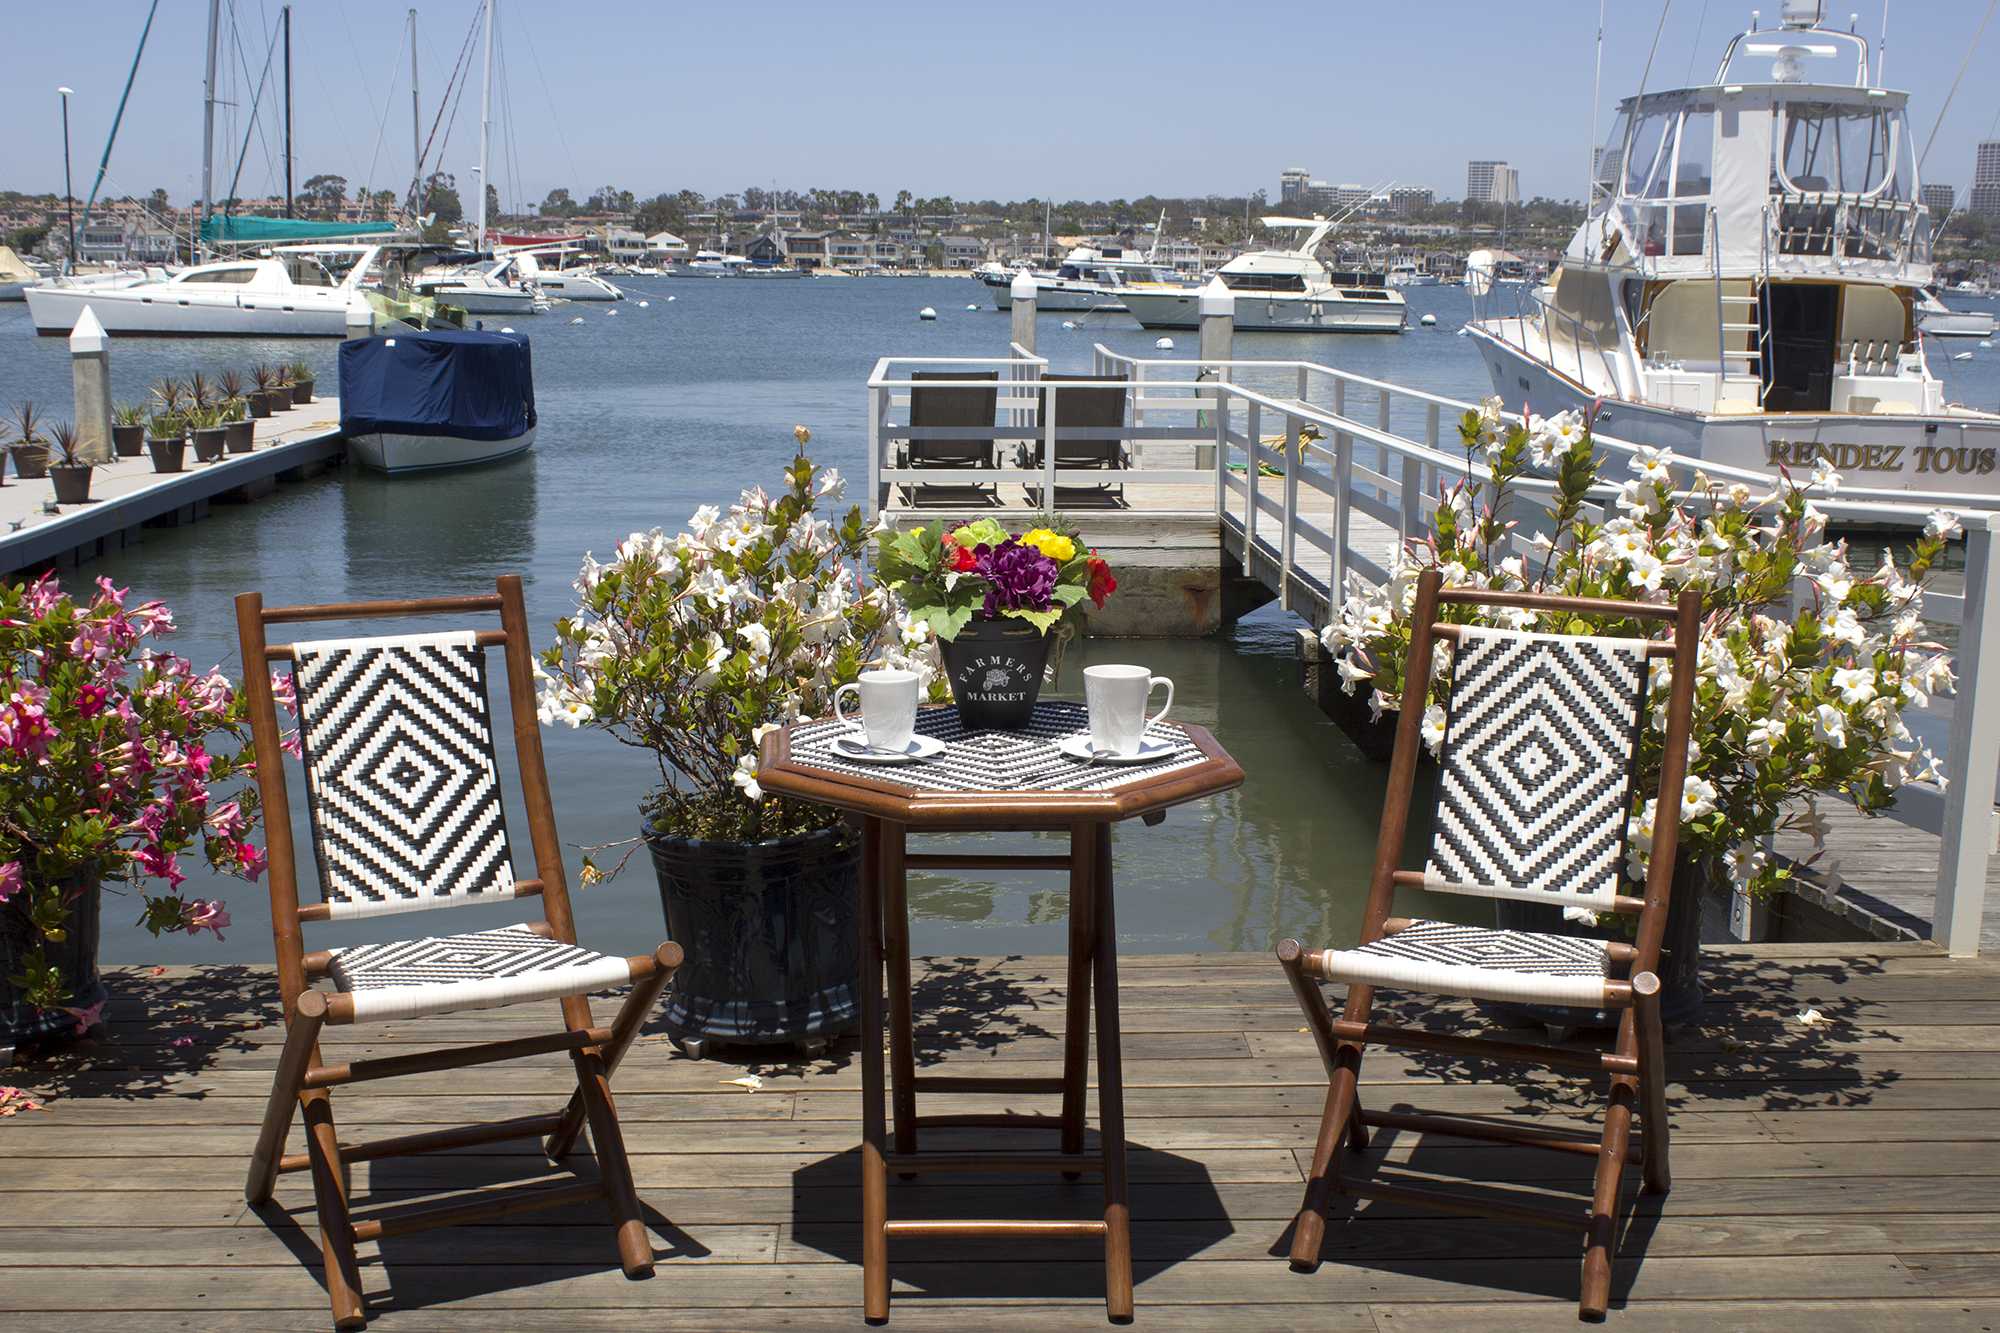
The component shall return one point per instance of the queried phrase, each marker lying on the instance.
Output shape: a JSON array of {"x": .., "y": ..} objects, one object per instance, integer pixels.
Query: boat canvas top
[{"x": 462, "y": 384}]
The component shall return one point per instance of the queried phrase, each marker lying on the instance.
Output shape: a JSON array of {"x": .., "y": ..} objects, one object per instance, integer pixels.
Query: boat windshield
[
  {"x": 1844, "y": 149},
  {"x": 306, "y": 271},
  {"x": 241, "y": 274},
  {"x": 1263, "y": 282}
]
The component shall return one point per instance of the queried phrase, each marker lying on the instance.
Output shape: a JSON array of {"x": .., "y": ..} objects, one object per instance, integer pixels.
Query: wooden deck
[{"x": 1843, "y": 1177}]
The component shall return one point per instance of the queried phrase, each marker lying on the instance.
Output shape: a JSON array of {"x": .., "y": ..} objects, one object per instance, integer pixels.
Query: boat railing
[
  {"x": 1847, "y": 227},
  {"x": 1317, "y": 477}
]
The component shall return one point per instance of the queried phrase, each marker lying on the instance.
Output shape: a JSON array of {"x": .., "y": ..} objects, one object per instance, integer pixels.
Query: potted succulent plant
[
  {"x": 30, "y": 449},
  {"x": 301, "y": 376},
  {"x": 205, "y": 422},
  {"x": 201, "y": 392},
  {"x": 264, "y": 382},
  {"x": 128, "y": 429},
  {"x": 240, "y": 435},
  {"x": 166, "y": 441},
  {"x": 997, "y": 603},
  {"x": 69, "y": 471},
  {"x": 82, "y": 678},
  {"x": 1794, "y": 701},
  {"x": 691, "y": 647}
]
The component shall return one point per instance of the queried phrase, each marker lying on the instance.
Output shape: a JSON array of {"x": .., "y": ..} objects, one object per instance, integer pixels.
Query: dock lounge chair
[
  {"x": 942, "y": 410},
  {"x": 1075, "y": 410},
  {"x": 403, "y": 797},
  {"x": 1537, "y": 779}
]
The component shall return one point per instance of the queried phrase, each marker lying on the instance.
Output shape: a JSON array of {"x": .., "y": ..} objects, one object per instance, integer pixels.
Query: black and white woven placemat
[{"x": 1001, "y": 762}]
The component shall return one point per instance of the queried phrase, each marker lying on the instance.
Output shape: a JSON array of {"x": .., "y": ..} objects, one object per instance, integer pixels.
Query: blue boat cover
[{"x": 464, "y": 384}]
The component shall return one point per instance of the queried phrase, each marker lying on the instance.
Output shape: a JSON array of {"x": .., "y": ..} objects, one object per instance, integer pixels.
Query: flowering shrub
[
  {"x": 112, "y": 760},
  {"x": 980, "y": 569},
  {"x": 1790, "y": 703},
  {"x": 694, "y": 646}
]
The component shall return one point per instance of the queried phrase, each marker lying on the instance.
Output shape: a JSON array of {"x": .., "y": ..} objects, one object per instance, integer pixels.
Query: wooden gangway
[{"x": 1843, "y": 1176}]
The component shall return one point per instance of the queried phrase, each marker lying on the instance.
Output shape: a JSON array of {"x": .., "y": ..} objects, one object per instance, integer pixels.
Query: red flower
[
  {"x": 1102, "y": 584},
  {"x": 959, "y": 557}
]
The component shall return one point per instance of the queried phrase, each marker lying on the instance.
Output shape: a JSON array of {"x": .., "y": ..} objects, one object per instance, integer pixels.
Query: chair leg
[
  {"x": 631, "y": 1015},
  {"x": 336, "y": 1226},
  {"x": 300, "y": 1037},
  {"x": 1357, "y": 1129},
  {"x": 1310, "y": 1229},
  {"x": 635, "y": 1251},
  {"x": 1652, "y": 1082},
  {"x": 1603, "y": 1226}
]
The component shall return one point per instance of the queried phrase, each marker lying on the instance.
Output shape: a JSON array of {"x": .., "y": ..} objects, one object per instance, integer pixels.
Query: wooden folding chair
[
  {"x": 1537, "y": 778},
  {"x": 403, "y": 795}
]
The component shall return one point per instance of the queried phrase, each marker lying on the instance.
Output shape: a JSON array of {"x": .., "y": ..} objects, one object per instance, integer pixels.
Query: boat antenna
[
  {"x": 286, "y": 15},
  {"x": 1596, "y": 93},
  {"x": 104, "y": 163},
  {"x": 1694, "y": 47},
  {"x": 208, "y": 118},
  {"x": 1962, "y": 66},
  {"x": 1639, "y": 102},
  {"x": 1882, "y": 47},
  {"x": 416, "y": 124}
]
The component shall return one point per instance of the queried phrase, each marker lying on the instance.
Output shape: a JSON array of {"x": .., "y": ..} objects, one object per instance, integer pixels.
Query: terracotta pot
[
  {"x": 72, "y": 482},
  {"x": 31, "y": 461},
  {"x": 995, "y": 670},
  {"x": 128, "y": 441},
  {"x": 239, "y": 437},
  {"x": 168, "y": 455},
  {"x": 208, "y": 443}
]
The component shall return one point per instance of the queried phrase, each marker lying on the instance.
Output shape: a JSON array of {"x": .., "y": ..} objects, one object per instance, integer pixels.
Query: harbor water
[{"x": 649, "y": 412}]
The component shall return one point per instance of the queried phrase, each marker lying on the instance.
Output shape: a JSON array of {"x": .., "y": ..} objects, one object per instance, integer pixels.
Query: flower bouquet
[{"x": 997, "y": 603}]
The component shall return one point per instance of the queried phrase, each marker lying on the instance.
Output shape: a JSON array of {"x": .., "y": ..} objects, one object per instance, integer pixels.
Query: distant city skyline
[{"x": 935, "y": 100}]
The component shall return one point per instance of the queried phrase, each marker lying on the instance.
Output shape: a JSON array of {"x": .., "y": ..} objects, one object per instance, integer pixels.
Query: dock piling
[
  {"x": 90, "y": 373},
  {"x": 1218, "y": 339},
  {"x": 1022, "y": 293}
]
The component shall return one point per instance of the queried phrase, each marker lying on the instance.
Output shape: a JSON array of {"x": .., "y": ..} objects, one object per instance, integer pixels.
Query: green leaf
[
  {"x": 1068, "y": 594},
  {"x": 1041, "y": 620}
]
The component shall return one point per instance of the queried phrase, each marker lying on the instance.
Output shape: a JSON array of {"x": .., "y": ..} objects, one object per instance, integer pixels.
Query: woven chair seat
[
  {"x": 1478, "y": 963},
  {"x": 484, "y": 969}
]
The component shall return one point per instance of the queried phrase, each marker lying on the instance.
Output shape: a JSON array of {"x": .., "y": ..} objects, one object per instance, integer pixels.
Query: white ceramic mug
[
  {"x": 1117, "y": 696},
  {"x": 888, "y": 708}
]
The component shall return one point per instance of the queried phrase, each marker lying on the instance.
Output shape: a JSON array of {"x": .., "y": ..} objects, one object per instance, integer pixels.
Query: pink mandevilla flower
[
  {"x": 10, "y": 880},
  {"x": 90, "y": 699},
  {"x": 228, "y": 819},
  {"x": 206, "y": 914}
]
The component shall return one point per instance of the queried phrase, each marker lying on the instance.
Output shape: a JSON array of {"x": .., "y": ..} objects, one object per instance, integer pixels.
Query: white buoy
[
  {"x": 506, "y": 328},
  {"x": 1962, "y": 356},
  {"x": 1069, "y": 323},
  {"x": 1428, "y": 321},
  {"x": 1986, "y": 345},
  {"x": 644, "y": 304},
  {"x": 673, "y": 298},
  {"x": 1163, "y": 344},
  {"x": 927, "y": 313},
  {"x": 577, "y": 320},
  {"x": 970, "y": 305}
]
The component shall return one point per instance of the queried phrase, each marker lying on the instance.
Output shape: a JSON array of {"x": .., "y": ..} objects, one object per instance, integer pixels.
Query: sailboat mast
[
  {"x": 416, "y": 130},
  {"x": 287, "y": 13},
  {"x": 208, "y": 119},
  {"x": 485, "y": 118}
]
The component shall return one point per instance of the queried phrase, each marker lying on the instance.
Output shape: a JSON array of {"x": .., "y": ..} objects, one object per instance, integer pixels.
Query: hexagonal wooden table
[{"x": 993, "y": 781}]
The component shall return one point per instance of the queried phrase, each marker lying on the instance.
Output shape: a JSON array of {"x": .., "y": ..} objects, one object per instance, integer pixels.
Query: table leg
[
  {"x": 896, "y": 939},
  {"x": 1111, "y": 1089},
  {"x": 1076, "y": 1019},
  {"x": 874, "y": 1173}
]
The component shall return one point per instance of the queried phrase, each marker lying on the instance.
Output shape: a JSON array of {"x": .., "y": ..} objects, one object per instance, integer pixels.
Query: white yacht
[
  {"x": 708, "y": 264},
  {"x": 502, "y": 286},
  {"x": 1941, "y": 321},
  {"x": 1744, "y": 288},
  {"x": 1285, "y": 291},
  {"x": 1089, "y": 278},
  {"x": 575, "y": 284},
  {"x": 287, "y": 291},
  {"x": 1407, "y": 273}
]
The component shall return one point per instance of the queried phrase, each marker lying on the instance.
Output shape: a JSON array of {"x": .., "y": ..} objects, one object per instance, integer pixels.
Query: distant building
[
  {"x": 1349, "y": 196},
  {"x": 1939, "y": 200},
  {"x": 1985, "y": 198},
  {"x": 1292, "y": 186},
  {"x": 806, "y": 249},
  {"x": 766, "y": 250},
  {"x": 623, "y": 244},
  {"x": 847, "y": 251},
  {"x": 964, "y": 252},
  {"x": 1405, "y": 200},
  {"x": 1492, "y": 183},
  {"x": 666, "y": 245}
]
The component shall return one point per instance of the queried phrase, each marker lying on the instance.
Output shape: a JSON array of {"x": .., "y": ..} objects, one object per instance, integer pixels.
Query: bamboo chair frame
[
  {"x": 304, "y": 1082},
  {"x": 1636, "y": 1060}
]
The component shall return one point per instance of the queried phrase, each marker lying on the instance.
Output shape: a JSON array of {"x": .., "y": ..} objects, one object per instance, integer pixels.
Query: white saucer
[
  {"x": 852, "y": 747},
  {"x": 1079, "y": 748}
]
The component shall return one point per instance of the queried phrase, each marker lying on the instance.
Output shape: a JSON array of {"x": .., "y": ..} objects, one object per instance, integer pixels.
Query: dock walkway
[
  {"x": 1843, "y": 1176},
  {"x": 127, "y": 495}
]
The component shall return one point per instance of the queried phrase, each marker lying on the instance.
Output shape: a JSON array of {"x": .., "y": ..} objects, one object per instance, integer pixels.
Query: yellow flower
[{"x": 1051, "y": 544}]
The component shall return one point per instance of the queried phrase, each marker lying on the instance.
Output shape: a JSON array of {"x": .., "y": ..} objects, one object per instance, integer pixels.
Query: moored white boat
[
  {"x": 497, "y": 287},
  {"x": 1285, "y": 291},
  {"x": 424, "y": 401},
  {"x": 1745, "y": 288},
  {"x": 286, "y": 292},
  {"x": 1087, "y": 279},
  {"x": 1941, "y": 321}
]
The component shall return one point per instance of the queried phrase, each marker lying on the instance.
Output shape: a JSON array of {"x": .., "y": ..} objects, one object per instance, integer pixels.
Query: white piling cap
[
  {"x": 88, "y": 335},
  {"x": 1023, "y": 287},
  {"x": 1217, "y": 299}
]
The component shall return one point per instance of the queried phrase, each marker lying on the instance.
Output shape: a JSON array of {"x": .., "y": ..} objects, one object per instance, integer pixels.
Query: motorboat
[
  {"x": 285, "y": 291},
  {"x": 422, "y": 401},
  {"x": 501, "y": 286},
  {"x": 576, "y": 284},
  {"x": 707, "y": 264},
  {"x": 1406, "y": 273},
  {"x": 1746, "y": 285},
  {"x": 1939, "y": 320},
  {"x": 1089, "y": 278},
  {"x": 768, "y": 271},
  {"x": 1285, "y": 291}
]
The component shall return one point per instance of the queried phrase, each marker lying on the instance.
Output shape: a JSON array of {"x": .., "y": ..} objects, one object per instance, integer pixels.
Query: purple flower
[{"x": 1019, "y": 578}]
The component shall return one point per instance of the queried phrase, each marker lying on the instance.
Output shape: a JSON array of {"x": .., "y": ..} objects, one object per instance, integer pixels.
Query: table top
[{"x": 997, "y": 779}]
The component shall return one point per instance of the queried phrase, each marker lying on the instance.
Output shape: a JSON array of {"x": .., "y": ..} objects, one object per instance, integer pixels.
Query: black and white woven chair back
[
  {"x": 402, "y": 787},
  {"x": 1538, "y": 767}
]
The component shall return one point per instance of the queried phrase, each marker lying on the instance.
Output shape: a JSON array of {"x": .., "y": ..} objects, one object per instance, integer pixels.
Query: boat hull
[
  {"x": 55, "y": 311},
  {"x": 475, "y": 302},
  {"x": 399, "y": 454},
  {"x": 1056, "y": 299},
  {"x": 1958, "y": 324},
  {"x": 579, "y": 290},
  {"x": 1272, "y": 314},
  {"x": 1925, "y": 455}
]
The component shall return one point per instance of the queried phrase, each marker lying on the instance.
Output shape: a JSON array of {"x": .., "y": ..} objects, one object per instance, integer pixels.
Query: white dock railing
[{"x": 1315, "y": 474}]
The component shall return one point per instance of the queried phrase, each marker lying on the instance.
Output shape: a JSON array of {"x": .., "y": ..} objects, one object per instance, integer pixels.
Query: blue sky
[{"x": 975, "y": 101}]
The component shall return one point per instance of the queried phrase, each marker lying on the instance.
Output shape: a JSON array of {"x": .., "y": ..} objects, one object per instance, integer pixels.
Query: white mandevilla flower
[
  {"x": 1697, "y": 797},
  {"x": 1824, "y": 477},
  {"x": 703, "y": 519},
  {"x": 1830, "y": 726},
  {"x": 745, "y": 778},
  {"x": 831, "y": 483},
  {"x": 1942, "y": 523},
  {"x": 1856, "y": 684},
  {"x": 1763, "y": 737},
  {"x": 914, "y": 633},
  {"x": 1433, "y": 727},
  {"x": 1654, "y": 466},
  {"x": 1646, "y": 571}
]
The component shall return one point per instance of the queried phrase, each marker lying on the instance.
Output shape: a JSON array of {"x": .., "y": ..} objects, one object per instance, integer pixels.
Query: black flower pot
[
  {"x": 1680, "y": 953},
  {"x": 75, "y": 956},
  {"x": 995, "y": 670},
  {"x": 302, "y": 392},
  {"x": 31, "y": 461},
  {"x": 260, "y": 403},
  {"x": 168, "y": 455},
  {"x": 72, "y": 482},
  {"x": 208, "y": 444},
  {"x": 129, "y": 441},
  {"x": 769, "y": 933},
  {"x": 239, "y": 436}
]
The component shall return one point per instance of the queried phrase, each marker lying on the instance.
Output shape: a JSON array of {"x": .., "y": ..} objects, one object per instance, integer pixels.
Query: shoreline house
[
  {"x": 665, "y": 247},
  {"x": 768, "y": 250}
]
